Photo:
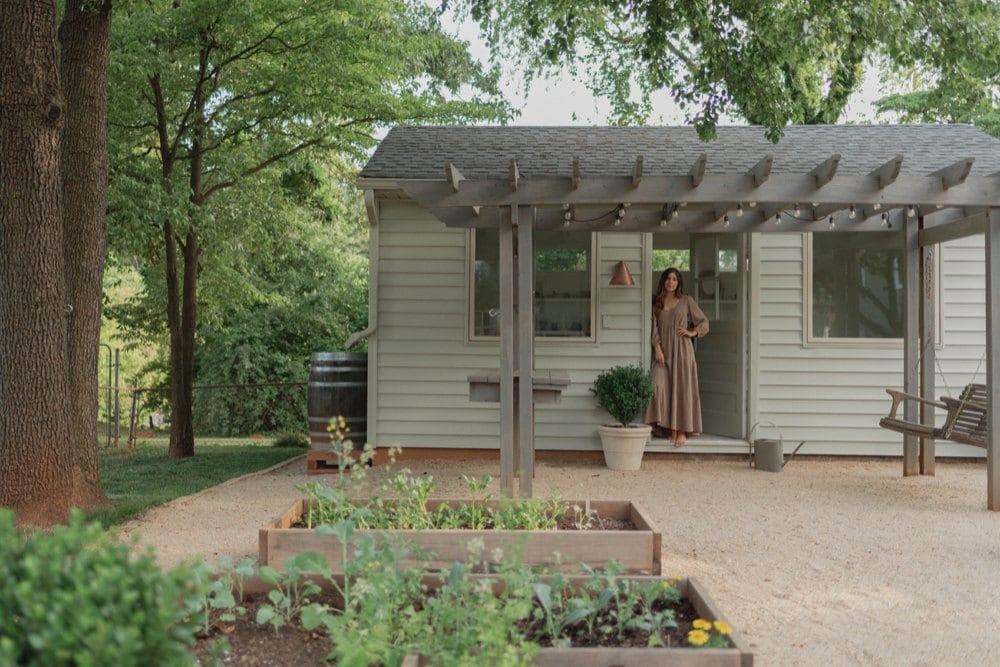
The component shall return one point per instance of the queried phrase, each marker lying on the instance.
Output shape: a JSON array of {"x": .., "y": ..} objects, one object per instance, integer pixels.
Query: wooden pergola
[{"x": 930, "y": 205}]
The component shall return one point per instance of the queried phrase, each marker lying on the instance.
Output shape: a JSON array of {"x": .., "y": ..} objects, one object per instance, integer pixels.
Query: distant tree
[
  {"x": 771, "y": 62},
  {"x": 304, "y": 289},
  {"x": 209, "y": 94},
  {"x": 970, "y": 93}
]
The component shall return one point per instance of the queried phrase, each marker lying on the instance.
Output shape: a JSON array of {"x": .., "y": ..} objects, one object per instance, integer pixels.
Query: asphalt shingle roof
[{"x": 423, "y": 152}]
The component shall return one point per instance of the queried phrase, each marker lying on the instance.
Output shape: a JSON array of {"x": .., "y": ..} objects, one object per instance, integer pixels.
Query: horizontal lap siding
[
  {"x": 424, "y": 358},
  {"x": 833, "y": 397}
]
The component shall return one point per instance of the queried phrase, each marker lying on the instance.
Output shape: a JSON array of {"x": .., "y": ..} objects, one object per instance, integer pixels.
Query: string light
[
  {"x": 739, "y": 210},
  {"x": 911, "y": 211},
  {"x": 885, "y": 221},
  {"x": 832, "y": 225},
  {"x": 777, "y": 218},
  {"x": 675, "y": 213},
  {"x": 876, "y": 206},
  {"x": 852, "y": 212},
  {"x": 797, "y": 210},
  {"x": 725, "y": 220},
  {"x": 621, "y": 214}
]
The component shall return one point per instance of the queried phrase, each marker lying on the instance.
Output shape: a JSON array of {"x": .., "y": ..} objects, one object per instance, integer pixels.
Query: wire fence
[{"x": 122, "y": 420}]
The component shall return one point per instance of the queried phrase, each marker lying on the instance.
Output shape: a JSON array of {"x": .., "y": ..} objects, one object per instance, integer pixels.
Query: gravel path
[{"x": 830, "y": 562}]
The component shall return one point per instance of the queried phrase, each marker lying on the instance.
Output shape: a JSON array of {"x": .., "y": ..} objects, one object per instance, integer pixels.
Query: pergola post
[
  {"x": 992, "y": 366},
  {"x": 507, "y": 439},
  {"x": 928, "y": 332},
  {"x": 525, "y": 349},
  {"x": 911, "y": 339}
]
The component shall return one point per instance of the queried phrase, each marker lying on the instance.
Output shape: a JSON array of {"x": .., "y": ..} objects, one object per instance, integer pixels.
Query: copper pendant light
[{"x": 622, "y": 276}]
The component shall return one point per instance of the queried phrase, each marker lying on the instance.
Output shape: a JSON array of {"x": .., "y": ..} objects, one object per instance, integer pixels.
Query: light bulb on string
[{"x": 852, "y": 212}]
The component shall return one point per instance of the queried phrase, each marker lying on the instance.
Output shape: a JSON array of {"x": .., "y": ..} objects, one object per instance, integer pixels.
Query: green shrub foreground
[{"x": 76, "y": 595}]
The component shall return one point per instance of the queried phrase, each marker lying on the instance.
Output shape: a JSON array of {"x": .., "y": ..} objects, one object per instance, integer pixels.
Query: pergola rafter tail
[{"x": 927, "y": 192}]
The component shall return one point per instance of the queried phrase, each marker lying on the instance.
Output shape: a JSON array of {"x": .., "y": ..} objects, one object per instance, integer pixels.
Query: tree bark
[
  {"x": 37, "y": 478},
  {"x": 181, "y": 321},
  {"x": 85, "y": 35}
]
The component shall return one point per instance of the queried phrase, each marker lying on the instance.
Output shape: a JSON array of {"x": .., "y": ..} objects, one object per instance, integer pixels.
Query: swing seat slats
[{"x": 965, "y": 421}]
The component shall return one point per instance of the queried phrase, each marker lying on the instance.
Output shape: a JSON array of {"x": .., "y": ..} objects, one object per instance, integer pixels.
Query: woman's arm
[
  {"x": 698, "y": 318},
  {"x": 655, "y": 340}
]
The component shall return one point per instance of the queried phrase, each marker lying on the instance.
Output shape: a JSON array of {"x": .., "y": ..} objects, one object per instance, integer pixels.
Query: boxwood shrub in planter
[{"x": 624, "y": 391}]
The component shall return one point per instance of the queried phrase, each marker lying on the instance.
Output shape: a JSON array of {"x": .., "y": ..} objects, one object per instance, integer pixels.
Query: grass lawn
[{"x": 146, "y": 477}]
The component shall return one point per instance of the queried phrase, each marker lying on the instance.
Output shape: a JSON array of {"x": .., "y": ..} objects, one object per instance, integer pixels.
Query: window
[
  {"x": 855, "y": 285},
  {"x": 564, "y": 284}
]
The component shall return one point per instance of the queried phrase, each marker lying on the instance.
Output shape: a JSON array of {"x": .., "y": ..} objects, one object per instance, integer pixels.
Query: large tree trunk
[
  {"x": 181, "y": 319},
  {"x": 37, "y": 479},
  {"x": 85, "y": 35}
]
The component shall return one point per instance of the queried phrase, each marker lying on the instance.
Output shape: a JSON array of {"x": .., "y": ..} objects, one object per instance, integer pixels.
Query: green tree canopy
[
  {"x": 770, "y": 62},
  {"x": 209, "y": 96}
]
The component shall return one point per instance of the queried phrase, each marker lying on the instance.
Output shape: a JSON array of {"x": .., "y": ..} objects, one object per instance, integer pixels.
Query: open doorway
[{"x": 715, "y": 275}]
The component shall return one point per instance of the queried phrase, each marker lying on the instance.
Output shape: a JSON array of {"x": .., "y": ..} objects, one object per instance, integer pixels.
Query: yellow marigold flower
[
  {"x": 697, "y": 637},
  {"x": 722, "y": 628},
  {"x": 701, "y": 624}
]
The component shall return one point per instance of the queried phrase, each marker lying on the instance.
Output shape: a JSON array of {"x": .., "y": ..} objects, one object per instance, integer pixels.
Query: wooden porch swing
[{"x": 965, "y": 420}]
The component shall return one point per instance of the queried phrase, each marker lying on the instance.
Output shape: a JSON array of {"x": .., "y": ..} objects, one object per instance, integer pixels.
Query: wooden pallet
[{"x": 319, "y": 462}]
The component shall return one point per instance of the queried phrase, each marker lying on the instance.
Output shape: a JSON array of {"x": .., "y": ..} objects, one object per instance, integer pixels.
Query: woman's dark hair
[{"x": 659, "y": 296}]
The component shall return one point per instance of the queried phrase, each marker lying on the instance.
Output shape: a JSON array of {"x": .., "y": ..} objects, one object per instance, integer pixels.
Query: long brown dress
[{"x": 675, "y": 403}]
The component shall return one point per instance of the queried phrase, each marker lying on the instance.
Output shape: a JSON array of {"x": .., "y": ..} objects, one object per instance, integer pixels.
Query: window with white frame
[
  {"x": 854, "y": 286},
  {"x": 564, "y": 284}
]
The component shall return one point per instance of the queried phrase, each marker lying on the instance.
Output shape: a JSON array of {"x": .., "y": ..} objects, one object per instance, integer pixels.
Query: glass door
[{"x": 719, "y": 276}]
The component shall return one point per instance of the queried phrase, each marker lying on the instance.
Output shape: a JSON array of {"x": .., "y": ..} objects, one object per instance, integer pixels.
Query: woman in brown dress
[{"x": 675, "y": 410}]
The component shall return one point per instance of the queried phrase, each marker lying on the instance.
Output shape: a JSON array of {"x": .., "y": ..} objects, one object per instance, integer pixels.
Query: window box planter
[{"x": 637, "y": 549}]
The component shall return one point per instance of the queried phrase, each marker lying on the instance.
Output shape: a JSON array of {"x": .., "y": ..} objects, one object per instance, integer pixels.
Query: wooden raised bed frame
[
  {"x": 738, "y": 655},
  {"x": 638, "y": 550}
]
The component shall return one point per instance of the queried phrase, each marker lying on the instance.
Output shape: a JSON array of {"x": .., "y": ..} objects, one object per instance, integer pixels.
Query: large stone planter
[
  {"x": 638, "y": 550},
  {"x": 624, "y": 445}
]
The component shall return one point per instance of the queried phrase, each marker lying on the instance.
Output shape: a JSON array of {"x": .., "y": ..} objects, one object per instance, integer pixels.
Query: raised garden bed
[
  {"x": 637, "y": 548},
  {"x": 253, "y": 644}
]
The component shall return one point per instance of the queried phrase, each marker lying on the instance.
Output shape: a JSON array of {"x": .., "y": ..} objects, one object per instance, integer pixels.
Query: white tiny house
[{"x": 839, "y": 262}]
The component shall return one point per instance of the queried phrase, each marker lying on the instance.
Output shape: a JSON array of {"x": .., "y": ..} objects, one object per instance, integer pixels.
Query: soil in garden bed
[
  {"x": 253, "y": 645},
  {"x": 562, "y": 523}
]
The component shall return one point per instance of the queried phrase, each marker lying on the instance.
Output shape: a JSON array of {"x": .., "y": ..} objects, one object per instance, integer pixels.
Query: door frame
[{"x": 748, "y": 308}]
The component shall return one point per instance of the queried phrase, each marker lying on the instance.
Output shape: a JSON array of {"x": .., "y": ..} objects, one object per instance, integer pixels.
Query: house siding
[
  {"x": 833, "y": 397},
  {"x": 422, "y": 356}
]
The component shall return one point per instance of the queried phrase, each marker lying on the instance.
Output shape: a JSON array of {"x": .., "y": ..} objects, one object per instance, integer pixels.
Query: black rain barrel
[{"x": 338, "y": 386}]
